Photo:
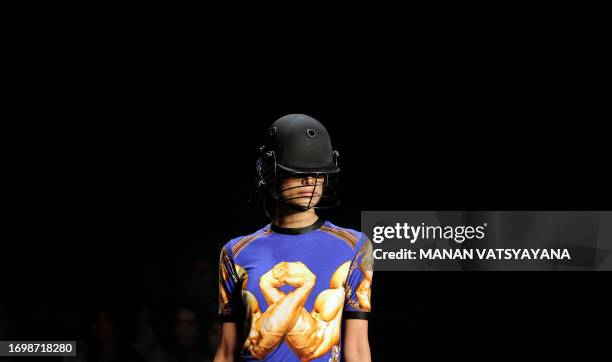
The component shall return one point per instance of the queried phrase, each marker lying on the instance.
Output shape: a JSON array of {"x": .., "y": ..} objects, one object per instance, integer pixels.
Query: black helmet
[{"x": 297, "y": 144}]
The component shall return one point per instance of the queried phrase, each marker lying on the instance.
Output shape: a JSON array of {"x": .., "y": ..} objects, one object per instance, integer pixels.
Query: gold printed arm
[
  {"x": 270, "y": 328},
  {"x": 317, "y": 333},
  {"x": 364, "y": 291}
]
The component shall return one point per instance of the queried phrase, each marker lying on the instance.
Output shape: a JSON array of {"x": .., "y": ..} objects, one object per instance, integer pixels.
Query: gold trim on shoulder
[
  {"x": 345, "y": 235},
  {"x": 242, "y": 243}
]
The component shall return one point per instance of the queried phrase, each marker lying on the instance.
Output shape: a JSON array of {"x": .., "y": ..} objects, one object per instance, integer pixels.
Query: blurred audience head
[{"x": 187, "y": 326}]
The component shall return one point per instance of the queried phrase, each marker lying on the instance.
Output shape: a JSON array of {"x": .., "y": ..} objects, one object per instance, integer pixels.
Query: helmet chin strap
[
  {"x": 296, "y": 207},
  {"x": 277, "y": 198},
  {"x": 293, "y": 206}
]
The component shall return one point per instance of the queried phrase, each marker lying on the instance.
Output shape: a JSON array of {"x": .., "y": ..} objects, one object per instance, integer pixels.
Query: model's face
[{"x": 297, "y": 190}]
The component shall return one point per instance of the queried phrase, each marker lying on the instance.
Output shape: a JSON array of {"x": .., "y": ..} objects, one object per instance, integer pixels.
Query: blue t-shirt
[{"x": 291, "y": 288}]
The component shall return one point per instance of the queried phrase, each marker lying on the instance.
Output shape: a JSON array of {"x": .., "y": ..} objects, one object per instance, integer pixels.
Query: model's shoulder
[
  {"x": 350, "y": 236},
  {"x": 238, "y": 243}
]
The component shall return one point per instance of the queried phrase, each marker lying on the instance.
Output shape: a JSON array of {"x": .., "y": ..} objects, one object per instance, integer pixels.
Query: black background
[{"x": 137, "y": 156}]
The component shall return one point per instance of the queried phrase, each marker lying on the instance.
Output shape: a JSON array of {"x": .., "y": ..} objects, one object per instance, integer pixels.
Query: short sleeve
[
  {"x": 358, "y": 285},
  {"x": 229, "y": 293}
]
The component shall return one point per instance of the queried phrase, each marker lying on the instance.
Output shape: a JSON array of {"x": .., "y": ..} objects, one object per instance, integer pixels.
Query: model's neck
[{"x": 289, "y": 218}]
